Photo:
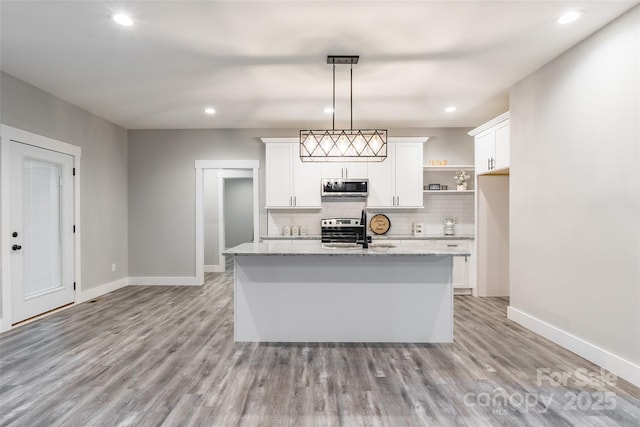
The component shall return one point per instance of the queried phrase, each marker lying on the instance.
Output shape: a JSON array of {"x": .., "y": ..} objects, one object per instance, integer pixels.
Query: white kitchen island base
[{"x": 325, "y": 298}]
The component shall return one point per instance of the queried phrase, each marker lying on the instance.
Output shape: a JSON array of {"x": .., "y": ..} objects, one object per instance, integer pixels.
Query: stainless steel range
[{"x": 341, "y": 230}]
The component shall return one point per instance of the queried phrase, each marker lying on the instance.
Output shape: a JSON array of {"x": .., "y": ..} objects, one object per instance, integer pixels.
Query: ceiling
[{"x": 262, "y": 64}]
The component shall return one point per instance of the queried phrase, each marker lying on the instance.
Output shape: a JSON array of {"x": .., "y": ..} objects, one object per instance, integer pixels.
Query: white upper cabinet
[
  {"x": 354, "y": 170},
  {"x": 397, "y": 181},
  {"x": 381, "y": 188},
  {"x": 492, "y": 145},
  {"x": 306, "y": 181},
  {"x": 502, "y": 146},
  {"x": 408, "y": 174},
  {"x": 279, "y": 179},
  {"x": 290, "y": 183}
]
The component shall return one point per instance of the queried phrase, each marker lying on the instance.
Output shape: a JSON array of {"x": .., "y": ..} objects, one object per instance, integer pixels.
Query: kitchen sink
[
  {"x": 341, "y": 245},
  {"x": 382, "y": 245}
]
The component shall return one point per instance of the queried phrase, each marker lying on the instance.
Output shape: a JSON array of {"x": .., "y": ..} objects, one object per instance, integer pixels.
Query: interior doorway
[
  {"x": 228, "y": 213},
  {"x": 230, "y": 169}
]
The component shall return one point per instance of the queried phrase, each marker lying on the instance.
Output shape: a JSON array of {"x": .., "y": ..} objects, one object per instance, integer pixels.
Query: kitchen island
[{"x": 306, "y": 291}]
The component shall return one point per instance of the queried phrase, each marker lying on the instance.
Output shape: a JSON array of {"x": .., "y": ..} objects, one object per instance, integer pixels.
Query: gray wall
[
  {"x": 238, "y": 211},
  {"x": 575, "y": 190},
  {"x": 162, "y": 185},
  {"x": 104, "y": 171},
  {"x": 162, "y": 191}
]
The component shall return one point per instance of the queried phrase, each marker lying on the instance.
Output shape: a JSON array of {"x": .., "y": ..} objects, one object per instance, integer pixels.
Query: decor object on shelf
[
  {"x": 448, "y": 226},
  {"x": 338, "y": 145},
  {"x": 438, "y": 162},
  {"x": 433, "y": 187},
  {"x": 461, "y": 178}
]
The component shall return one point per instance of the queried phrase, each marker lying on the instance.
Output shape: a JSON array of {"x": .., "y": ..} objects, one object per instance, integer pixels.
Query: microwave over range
[{"x": 345, "y": 187}]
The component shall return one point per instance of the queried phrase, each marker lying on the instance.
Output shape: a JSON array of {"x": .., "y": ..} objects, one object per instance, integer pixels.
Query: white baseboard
[
  {"x": 214, "y": 268},
  {"x": 92, "y": 293},
  {"x": 164, "y": 281},
  {"x": 601, "y": 357}
]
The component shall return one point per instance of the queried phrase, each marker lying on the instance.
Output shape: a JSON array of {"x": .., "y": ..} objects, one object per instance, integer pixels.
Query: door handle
[{"x": 16, "y": 247}]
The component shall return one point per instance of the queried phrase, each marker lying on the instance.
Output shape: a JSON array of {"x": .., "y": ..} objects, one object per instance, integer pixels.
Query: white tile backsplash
[{"x": 437, "y": 207}]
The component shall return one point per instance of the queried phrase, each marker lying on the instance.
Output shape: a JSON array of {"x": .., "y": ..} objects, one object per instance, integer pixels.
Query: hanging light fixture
[{"x": 338, "y": 145}]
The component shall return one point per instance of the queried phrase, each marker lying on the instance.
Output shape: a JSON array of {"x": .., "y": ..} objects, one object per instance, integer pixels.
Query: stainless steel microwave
[{"x": 341, "y": 187}]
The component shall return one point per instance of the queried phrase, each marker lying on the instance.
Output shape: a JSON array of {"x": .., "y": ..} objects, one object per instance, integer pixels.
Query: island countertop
[
  {"x": 378, "y": 237},
  {"x": 315, "y": 247}
]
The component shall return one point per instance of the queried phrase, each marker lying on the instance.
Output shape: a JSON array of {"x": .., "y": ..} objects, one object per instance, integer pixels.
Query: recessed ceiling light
[
  {"x": 123, "y": 19},
  {"x": 328, "y": 110},
  {"x": 210, "y": 110},
  {"x": 450, "y": 109},
  {"x": 570, "y": 16}
]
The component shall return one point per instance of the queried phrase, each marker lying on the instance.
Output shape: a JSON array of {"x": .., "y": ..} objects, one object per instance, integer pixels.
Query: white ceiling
[{"x": 263, "y": 63}]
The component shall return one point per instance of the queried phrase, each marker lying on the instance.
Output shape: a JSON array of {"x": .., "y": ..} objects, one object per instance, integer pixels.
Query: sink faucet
[{"x": 363, "y": 222}]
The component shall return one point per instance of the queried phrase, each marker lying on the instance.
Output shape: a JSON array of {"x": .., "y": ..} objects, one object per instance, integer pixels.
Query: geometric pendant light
[{"x": 339, "y": 145}]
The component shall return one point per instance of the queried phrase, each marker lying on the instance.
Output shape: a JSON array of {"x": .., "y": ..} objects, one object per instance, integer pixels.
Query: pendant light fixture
[{"x": 339, "y": 145}]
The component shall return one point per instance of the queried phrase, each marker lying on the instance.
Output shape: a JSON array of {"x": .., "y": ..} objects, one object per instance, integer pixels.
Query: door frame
[
  {"x": 200, "y": 165},
  {"x": 7, "y": 135},
  {"x": 224, "y": 174}
]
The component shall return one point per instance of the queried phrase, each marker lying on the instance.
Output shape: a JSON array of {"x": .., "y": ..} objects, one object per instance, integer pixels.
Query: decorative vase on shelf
[{"x": 461, "y": 178}]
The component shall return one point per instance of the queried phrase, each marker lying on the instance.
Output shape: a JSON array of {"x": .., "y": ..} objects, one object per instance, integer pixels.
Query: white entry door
[{"x": 41, "y": 230}]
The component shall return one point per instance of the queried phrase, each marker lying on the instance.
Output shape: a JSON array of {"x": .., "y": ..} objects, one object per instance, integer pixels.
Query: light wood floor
[{"x": 165, "y": 356}]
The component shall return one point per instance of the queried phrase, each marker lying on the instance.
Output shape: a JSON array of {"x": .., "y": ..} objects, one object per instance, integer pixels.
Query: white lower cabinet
[{"x": 462, "y": 276}]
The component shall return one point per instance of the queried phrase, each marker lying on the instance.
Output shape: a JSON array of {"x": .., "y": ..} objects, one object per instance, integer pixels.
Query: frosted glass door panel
[{"x": 41, "y": 226}]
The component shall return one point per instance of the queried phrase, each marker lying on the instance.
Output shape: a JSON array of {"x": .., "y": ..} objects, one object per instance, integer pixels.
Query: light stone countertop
[
  {"x": 375, "y": 237},
  {"x": 315, "y": 247}
]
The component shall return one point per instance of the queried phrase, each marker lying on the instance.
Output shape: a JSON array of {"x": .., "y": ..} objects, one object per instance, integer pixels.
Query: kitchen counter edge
[
  {"x": 378, "y": 237},
  {"x": 310, "y": 247}
]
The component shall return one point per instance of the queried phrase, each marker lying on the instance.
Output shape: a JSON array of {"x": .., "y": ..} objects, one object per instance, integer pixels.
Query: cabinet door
[
  {"x": 408, "y": 174},
  {"x": 460, "y": 273},
  {"x": 278, "y": 174},
  {"x": 502, "y": 146},
  {"x": 355, "y": 170},
  {"x": 306, "y": 181},
  {"x": 381, "y": 185},
  {"x": 485, "y": 146},
  {"x": 332, "y": 170}
]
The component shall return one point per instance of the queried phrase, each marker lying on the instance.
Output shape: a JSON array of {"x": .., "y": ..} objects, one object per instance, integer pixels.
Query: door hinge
[
  {"x": 74, "y": 171},
  {"x": 74, "y": 286}
]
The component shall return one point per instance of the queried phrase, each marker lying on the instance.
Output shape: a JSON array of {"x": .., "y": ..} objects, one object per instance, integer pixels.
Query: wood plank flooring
[{"x": 151, "y": 356}]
